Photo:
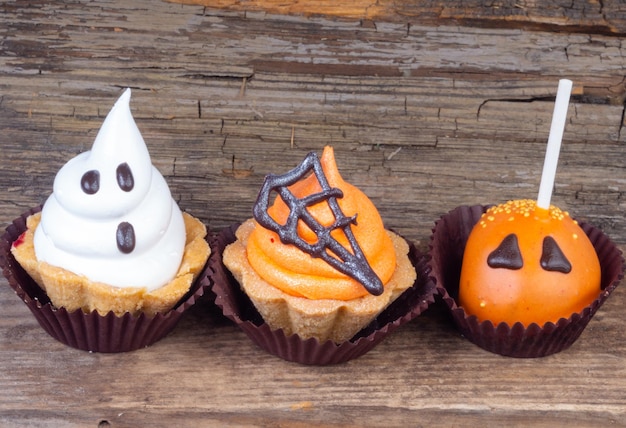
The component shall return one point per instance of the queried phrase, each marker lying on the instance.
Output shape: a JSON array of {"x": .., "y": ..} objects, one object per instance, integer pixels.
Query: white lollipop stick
[{"x": 554, "y": 143}]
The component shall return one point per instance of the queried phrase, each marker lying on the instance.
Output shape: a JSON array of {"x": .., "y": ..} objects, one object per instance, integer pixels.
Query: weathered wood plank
[
  {"x": 432, "y": 141},
  {"x": 428, "y": 105},
  {"x": 589, "y": 16}
]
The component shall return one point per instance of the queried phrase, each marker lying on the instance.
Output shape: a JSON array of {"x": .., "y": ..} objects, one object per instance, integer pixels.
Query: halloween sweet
[
  {"x": 318, "y": 261},
  {"x": 527, "y": 261},
  {"x": 110, "y": 237},
  {"x": 527, "y": 264}
]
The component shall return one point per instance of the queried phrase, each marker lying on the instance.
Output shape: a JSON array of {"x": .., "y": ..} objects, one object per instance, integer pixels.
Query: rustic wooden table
[{"x": 428, "y": 107}]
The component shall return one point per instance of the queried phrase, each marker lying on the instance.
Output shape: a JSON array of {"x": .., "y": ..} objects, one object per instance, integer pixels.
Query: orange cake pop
[
  {"x": 527, "y": 264},
  {"x": 528, "y": 261}
]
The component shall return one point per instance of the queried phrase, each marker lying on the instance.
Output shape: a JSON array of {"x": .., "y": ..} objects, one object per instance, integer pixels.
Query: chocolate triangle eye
[
  {"x": 507, "y": 255},
  {"x": 552, "y": 258}
]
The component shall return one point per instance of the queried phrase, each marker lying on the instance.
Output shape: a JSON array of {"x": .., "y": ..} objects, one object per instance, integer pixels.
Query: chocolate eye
[
  {"x": 507, "y": 255},
  {"x": 552, "y": 258},
  {"x": 90, "y": 182},
  {"x": 125, "y": 237},
  {"x": 125, "y": 177}
]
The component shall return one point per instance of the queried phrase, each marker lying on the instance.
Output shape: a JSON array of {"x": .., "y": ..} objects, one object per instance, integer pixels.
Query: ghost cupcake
[{"x": 110, "y": 241}]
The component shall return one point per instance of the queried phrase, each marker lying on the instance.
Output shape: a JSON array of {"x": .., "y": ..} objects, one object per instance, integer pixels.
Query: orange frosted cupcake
[{"x": 318, "y": 262}]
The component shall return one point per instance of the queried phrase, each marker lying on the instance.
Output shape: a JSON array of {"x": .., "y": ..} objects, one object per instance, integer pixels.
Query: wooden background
[{"x": 429, "y": 105}]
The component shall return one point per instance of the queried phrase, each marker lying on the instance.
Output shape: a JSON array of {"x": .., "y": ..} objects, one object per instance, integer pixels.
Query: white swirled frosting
[{"x": 111, "y": 216}]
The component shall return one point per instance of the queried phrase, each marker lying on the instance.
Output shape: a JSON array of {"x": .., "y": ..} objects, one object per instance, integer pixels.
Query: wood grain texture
[
  {"x": 428, "y": 106},
  {"x": 588, "y": 16}
]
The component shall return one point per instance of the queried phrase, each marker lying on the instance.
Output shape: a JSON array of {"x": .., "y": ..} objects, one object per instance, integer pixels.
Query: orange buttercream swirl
[{"x": 299, "y": 274}]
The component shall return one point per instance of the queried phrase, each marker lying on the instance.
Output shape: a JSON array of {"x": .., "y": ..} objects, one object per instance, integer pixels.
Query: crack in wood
[
  {"x": 621, "y": 126},
  {"x": 218, "y": 76},
  {"x": 513, "y": 100},
  {"x": 583, "y": 98}
]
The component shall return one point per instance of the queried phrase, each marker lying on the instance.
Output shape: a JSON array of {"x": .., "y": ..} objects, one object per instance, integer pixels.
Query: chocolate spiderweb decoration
[{"x": 352, "y": 264}]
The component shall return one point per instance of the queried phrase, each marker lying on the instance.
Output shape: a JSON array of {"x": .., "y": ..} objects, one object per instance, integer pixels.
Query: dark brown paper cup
[
  {"x": 236, "y": 306},
  {"x": 446, "y": 250},
  {"x": 89, "y": 331}
]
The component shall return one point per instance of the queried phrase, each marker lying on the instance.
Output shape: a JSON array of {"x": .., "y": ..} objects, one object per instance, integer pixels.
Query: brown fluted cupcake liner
[
  {"x": 446, "y": 250},
  {"x": 236, "y": 306},
  {"x": 90, "y": 331}
]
